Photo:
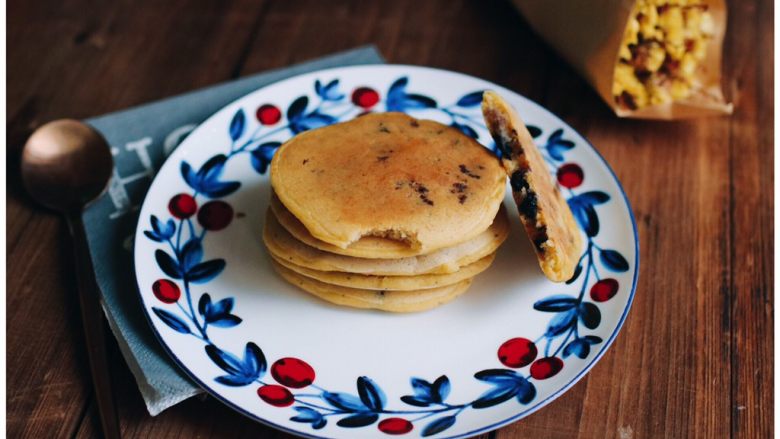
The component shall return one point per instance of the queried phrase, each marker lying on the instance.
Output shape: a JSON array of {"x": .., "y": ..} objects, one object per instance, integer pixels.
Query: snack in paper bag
[{"x": 653, "y": 59}]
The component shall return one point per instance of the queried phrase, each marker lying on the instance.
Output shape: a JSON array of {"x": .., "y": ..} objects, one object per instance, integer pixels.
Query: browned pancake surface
[{"x": 392, "y": 176}]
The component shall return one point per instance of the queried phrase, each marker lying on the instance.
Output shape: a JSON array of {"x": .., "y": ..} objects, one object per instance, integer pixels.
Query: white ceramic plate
[{"x": 509, "y": 346}]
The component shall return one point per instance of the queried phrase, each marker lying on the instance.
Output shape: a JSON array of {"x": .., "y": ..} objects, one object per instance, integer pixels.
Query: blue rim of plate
[{"x": 519, "y": 415}]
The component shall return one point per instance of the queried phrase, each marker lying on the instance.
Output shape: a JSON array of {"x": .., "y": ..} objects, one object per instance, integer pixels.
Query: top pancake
[{"x": 392, "y": 176}]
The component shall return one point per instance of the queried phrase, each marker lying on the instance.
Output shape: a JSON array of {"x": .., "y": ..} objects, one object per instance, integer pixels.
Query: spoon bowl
[{"x": 65, "y": 165}]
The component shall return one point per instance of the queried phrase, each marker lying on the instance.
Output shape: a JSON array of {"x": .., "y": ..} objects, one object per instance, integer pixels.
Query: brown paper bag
[{"x": 588, "y": 34}]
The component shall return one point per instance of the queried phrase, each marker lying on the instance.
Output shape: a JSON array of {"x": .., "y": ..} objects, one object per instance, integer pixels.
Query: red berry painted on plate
[
  {"x": 546, "y": 367},
  {"x": 215, "y": 215},
  {"x": 182, "y": 206},
  {"x": 365, "y": 97},
  {"x": 570, "y": 175},
  {"x": 395, "y": 426},
  {"x": 517, "y": 352},
  {"x": 604, "y": 290},
  {"x": 166, "y": 291},
  {"x": 277, "y": 396},
  {"x": 268, "y": 114},
  {"x": 292, "y": 372}
]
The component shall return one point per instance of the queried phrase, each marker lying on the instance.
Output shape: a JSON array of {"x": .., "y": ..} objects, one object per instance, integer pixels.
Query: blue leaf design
[
  {"x": 417, "y": 101},
  {"x": 438, "y": 426},
  {"x": 578, "y": 347},
  {"x": 220, "y": 189},
  {"x": 218, "y": 314},
  {"x": 206, "y": 180},
  {"x": 189, "y": 176},
  {"x": 561, "y": 322},
  {"x": 204, "y": 304},
  {"x": 415, "y": 401},
  {"x": 358, "y": 420},
  {"x": 397, "y": 87},
  {"x": 309, "y": 416},
  {"x": 170, "y": 319},
  {"x": 240, "y": 372},
  {"x": 422, "y": 388},
  {"x": 370, "y": 394},
  {"x": 222, "y": 307},
  {"x": 555, "y": 153},
  {"x": 496, "y": 375},
  {"x": 594, "y": 197},
  {"x": 465, "y": 129},
  {"x": 344, "y": 401},
  {"x": 585, "y": 214},
  {"x": 556, "y": 303},
  {"x": 153, "y": 236},
  {"x": 160, "y": 232},
  {"x": 312, "y": 121},
  {"x": 167, "y": 264},
  {"x": 170, "y": 229},
  {"x": 556, "y": 145},
  {"x": 319, "y": 424},
  {"x": 399, "y": 100},
  {"x": 592, "y": 339},
  {"x": 224, "y": 360},
  {"x": 614, "y": 261},
  {"x": 205, "y": 271},
  {"x": 156, "y": 225},
  {"x": 191, "y": 254},
  {"x": 227, "y": 321},
  {"x": 507, "y": 385},
  {"x": 296, "y": 109},
  {"x": 504, "y": 391},
  {"x": 577, "y": 272},
  {"x": 254, "y": 361},
  {"x": 234, "y": 380},
  {"x": 237, "y": 125},
  {"x": 441, "y": 389},
  {"x": 526, "y": 391},
  {"x": 212, "y": 169},
  {"x": 305, "y": 414},
  {"x": 470, "y": 100},
  {"x": 329, "y": 92},
  {"x": 534, "y": 131},
  {"x": 261, "y": 156},
  {"x": 590, "y": 316}
]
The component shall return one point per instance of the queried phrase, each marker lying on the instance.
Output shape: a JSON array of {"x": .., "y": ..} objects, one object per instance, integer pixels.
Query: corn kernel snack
[
  {"x": 649, "y": 59},
  {"x": 659, "y": 58}
]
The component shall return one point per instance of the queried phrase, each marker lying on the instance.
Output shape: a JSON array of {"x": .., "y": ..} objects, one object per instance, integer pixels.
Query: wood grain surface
[{"x": 695, "y": 357}]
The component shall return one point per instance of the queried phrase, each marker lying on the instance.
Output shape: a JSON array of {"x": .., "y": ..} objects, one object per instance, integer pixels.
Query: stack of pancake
[{"x": 385, "y": 212}]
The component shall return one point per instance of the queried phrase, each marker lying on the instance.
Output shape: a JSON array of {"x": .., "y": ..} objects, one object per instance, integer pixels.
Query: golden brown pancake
[
  {"x": 283, "y": 245},
  {"x": 392, "y": 176},
  {"x": 546, "y": 216},
  {"x": 393, "y": 301},
  {"x": 391, "y": 283}
]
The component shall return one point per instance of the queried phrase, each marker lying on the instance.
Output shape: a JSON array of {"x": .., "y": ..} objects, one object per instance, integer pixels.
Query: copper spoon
[{"x": 66, "y": 165}]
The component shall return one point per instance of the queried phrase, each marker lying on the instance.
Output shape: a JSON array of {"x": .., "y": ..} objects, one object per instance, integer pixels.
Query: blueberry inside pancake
[{"x": 546, "y": 216}]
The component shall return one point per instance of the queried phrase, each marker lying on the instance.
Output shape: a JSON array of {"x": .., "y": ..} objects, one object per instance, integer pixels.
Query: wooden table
[{"x": 695, "y": 357}]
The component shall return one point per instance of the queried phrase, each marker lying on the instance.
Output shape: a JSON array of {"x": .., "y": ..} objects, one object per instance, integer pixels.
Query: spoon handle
[{"x": 92, "y": 318}]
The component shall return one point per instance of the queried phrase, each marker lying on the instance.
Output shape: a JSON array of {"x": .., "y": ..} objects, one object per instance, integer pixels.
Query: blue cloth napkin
[{"x": 141, "y": 138}]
